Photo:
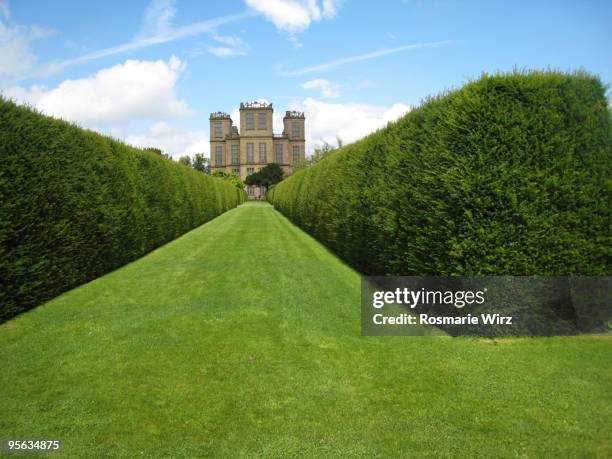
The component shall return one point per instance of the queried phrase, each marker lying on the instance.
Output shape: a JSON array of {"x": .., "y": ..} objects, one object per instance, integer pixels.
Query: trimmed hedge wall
[
  {"x": 75, "y": 205},
  {"x": 509, "y": 175}
]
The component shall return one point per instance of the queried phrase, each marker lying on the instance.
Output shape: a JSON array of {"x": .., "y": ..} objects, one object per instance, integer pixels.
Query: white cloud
[
  {"x": 328, "y": 89},
  {"x": 128, "y": 91},
  {"x": 361, "y": 57},
  {"x": 330, "y": 8},
  {"x": 16, "y": 56},
  {"x": 24, "y": 95},
  {"x": 171, "y": 139},
  {"x": 294, "y": 16},
  {"x": 350, "y": 122},
  {"x": 158, "y": 18},
  {"x": 235, "y": 116},
  {"x": 222, "y": 51},
  {"x": 230, "y": 40},
  {"x": 232, "y": 46}
]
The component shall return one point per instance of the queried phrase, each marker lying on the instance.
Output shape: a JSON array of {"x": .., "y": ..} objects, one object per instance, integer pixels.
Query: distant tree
[
  {"x": 319, "y": 153},
  {"x": 268, "y": 175},
  {"x": 201, "y": 163},
  {"x": 186, "y": 160},
  {"x": 271, "y": 174},
  {"x": 251, "y": 179},
  {"x": 231, "y": 177},
  {"x": 322, "y": 152}
]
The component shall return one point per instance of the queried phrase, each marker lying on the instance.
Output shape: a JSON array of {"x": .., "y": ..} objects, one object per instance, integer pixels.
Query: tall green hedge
[
  {"x": 75, "y": 205},
  {"x": 510, "y": 174}
]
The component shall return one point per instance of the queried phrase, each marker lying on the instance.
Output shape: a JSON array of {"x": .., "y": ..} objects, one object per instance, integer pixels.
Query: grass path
[{"x": 242, "y": 338}]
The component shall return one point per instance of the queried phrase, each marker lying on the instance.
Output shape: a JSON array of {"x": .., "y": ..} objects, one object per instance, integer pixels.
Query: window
[
  {"x": 218, "y": 155},
  {"x": 261, "y": 120},
  {"x": 250, "y": 153},
  {"x": 295, "y": 129},
  {"x": 236, "y": 170},
  {"x": 250, "y": 120},
  {"x": 279, "y": 153},
  {"x": 262, "y": 153},
  {"x": 235, "y": 154},
  {"x": 250, "y": 170},
  {"x": 218, "y": 128},
  {"x": 296, "y": 154}
]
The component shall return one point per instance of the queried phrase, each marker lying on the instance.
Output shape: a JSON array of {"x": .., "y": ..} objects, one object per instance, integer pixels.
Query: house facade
[{"x": 245, "y": 149}]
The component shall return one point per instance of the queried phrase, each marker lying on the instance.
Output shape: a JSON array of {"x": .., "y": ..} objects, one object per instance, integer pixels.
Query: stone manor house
[{"x": 255, "y": 145}]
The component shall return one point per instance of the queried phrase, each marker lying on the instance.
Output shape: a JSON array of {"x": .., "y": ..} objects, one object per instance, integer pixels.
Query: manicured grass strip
[{"x": 241, "y": 338}]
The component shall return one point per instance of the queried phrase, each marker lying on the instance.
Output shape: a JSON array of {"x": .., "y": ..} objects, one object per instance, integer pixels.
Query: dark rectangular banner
[{"x": 486, "y": 306}]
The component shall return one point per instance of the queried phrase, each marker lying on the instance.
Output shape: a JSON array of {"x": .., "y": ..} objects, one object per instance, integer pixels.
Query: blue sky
[{"x": 150, "y": 72}]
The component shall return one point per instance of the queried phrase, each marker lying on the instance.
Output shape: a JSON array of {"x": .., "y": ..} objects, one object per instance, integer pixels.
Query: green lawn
[{"x": 242, "y": 338}]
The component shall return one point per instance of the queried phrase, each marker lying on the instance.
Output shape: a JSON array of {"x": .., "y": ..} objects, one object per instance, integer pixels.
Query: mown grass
[{"x": 241, "y": 338}]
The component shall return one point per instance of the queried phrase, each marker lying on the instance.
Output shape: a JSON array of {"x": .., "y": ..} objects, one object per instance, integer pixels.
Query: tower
[
  {"x": 293, "y": 124},
  {"x": 220, "y": 128}
]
